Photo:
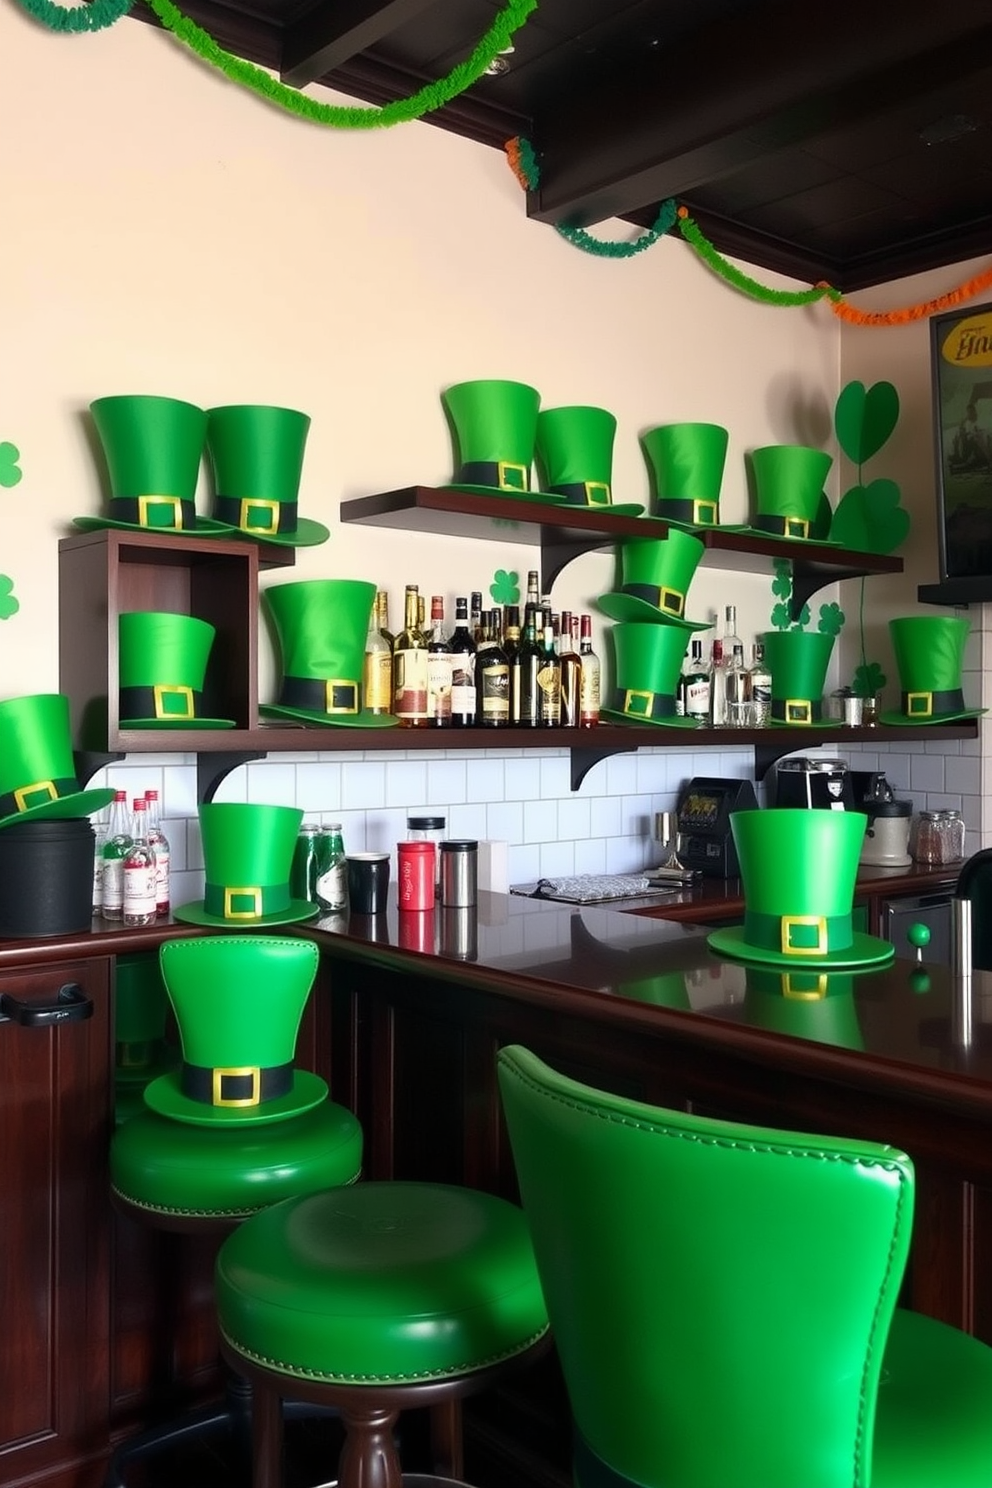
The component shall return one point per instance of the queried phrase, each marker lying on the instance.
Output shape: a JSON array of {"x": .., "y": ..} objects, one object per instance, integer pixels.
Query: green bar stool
[
  {"x": 375, "y": 1299},
  {"x": 234, "y": 1128}
]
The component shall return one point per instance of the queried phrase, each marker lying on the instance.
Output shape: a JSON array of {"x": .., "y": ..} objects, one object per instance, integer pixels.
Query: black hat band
[
  {"x": 924, "y": 705},
  {"x": 798, "y": 935},
  {"x": 330, "y": 695},
  {"x": 37, "y": 793},
  {"x": 508, "y": 475},
  {"x": 783, "y": 526},
  {"x": 659, "y": 597},
  {"x": 165, "y": 513},
  {"x": 236, "y": 1085},
  {"x": 700, "y": 512},
  {"x": 586, "y": 493},
  {"x": 260, "y": 516},
  {"x": 638, "y": 702},
  {"x": 162, "y": 700}
]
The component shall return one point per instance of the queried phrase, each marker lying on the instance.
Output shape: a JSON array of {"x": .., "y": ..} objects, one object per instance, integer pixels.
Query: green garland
[
  {"x": 579, "y": 238},
  {"x": 496, "y": 40},
  {"x": 77, "y": 18},
  {"x": 744, "y": 282}
]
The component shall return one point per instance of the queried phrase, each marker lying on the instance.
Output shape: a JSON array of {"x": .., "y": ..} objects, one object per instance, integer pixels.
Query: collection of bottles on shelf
[
  {"x": 490, "y": 671},
  {"x": 131, "y": 862},
  {"x": 723, "y": 691}
]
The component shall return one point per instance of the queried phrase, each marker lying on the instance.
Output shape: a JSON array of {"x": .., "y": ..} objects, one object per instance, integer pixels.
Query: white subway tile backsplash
[
  {"x": 363, "y": 784},
  {"x": 505, "y": 821},
  {"x": 406, "y": 783},
  {"x": 927, "y": 773},
  {"x": 522, "y": 779},
  {"x": 484, "y": 780},
  {"x": 446, "y": 782},
  {"x": 318, "y": 786},
  {"x": 605, "y": 815}
]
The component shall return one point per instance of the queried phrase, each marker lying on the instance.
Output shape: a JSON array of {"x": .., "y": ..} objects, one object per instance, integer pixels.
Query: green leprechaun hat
[
  {"x": 321, "y": 625},
  {"x": 929, "y": 651},
  {"x": 799, "y": 869},
  {"x": 494, "y": 431},
  {"x": 788, "y": 490},
  {"x": 648, "y": 661},
  {"x": 685, "y": 465},
  {"x": 163, "y": 661},
  {"x": 256, "y": 452},
  {"x": 574, "y": 454},
  {"x": 238, "y": 1001},
  {"x": 153, "y": 447},
  {"x": 37, "y": 774},
  {"x": 248, "y": 858},
  {"x": 798, "y": 661},
  {"x": 816, "y": 1005},
  {"x": 655, "y": 574}
]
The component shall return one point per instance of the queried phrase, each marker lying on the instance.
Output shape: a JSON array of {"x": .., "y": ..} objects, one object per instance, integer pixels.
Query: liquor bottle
[
  {"x": 730, "y": 636},
  {"x": 571, "y": 670},
  {"x": 438, "y": 668},
  {"x": 696, "y": 685},
  {"x": 410, "y": 667},
  {"x": 463, "y": 655},
  {"x": 589, "y": 684},
  {"x": 549, "y": 682},
  {"x": 163, "y": 855},
  {"x": 492, "y": 678},
  {"x": 761, "y": 689},
  {"x": 511, "y": 631},
  {"x": 114, "y": 852},
  {"x": 139, "y": 871},
  {"x": 738, "y": 694},
  {"x": 718, "y": 685},
  {"x": 532, "y": 599},
  {"x": 99, "y": 842},
  {"x": 422, "y": 616},
  {"x": 475, "y": 615},
  {"x": 331, "y": 880},
  {"x": 377, "y": 667},
  {"x": 525, "y": 692},
  {"x": 382, "y": 610}
]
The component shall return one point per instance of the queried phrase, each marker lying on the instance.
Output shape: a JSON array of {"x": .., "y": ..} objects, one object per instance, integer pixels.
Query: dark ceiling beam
[
  {"x": 717, "y": 100},
  {"x": 331, "y": 34}
]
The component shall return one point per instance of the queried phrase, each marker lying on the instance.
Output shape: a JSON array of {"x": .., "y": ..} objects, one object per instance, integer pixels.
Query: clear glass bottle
[
  {"x": 761, "y": 688},
  {"x": 589, "y": 682},
  {"x": 99, "y": 842},
  {"x": 696, "y": 685},
  {"x": 114, "y": 852},
  {"x": 163, "y": 855},
  {"x": 463, "y": 655},
  {"x": 718, "y": 685},
  {"x": 737, "y": 688},
  {"x": 549, "y": 682},
  {"x": 331, "y": 882},
  {"x": 438, "y": 668},
  {"x": 139, "y": 871},
  {"x": 571, "y": 669},
  {"x": 377, "y": 668},
  {"x": 410, "y": 667}
]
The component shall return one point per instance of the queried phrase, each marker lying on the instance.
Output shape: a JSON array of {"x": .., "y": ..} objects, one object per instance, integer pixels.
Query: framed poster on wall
[{"x": 961, "y": 371}]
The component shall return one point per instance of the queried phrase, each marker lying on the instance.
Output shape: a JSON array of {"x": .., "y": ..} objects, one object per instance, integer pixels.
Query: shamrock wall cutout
[
  {"x": 9, "y": 605},
  {"x": 10, "y": 471},
  {"x": 505, "y": 588}
]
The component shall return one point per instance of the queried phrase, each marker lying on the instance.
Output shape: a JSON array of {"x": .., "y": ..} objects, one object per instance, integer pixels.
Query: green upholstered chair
[
  {"x": 207, "y": 1168},
  {"x": 723, "y": 1300},
  {"x": 374, "y": 1299}
]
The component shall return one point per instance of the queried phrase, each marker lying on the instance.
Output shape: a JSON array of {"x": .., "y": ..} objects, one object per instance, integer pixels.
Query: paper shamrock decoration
[
  {"x": 505, "y": 587},
  {"x": 868, "y": 518},
  {"x": 10, "y": 471},
  {"x": 9, "y": 604},
  {"x": 831, "y": 621}
]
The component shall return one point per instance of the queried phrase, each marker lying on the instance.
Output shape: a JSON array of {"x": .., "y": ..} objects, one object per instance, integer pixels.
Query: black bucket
[{"x": 46, "y": 878}]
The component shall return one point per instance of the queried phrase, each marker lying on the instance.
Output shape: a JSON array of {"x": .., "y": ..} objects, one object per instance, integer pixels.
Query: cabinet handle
[{"x": 71, "y": 1004}]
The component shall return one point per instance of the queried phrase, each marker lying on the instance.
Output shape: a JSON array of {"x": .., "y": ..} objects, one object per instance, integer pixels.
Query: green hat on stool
[
  {"x": 798, "y": 661},
  {"x": 929, "y": 652},
  {"x": 163, "y": 661},
  {"x": 799, "y": 870},
  {"x": 248, "y": 858},
  {"x": 574, "y": 453},
  {"x": 685, "y": 462},
  {"x": 655, "y": 578},
  {"x": 321, "y": 625},
  {"x": 37, "y": 773},
  {"x": 257, "y": 456},
  {"x": 153, "y": 447},
  {"x": 789, "y": 496},
  {"x": 494, "y": 431},
  {"x": 815, "y": 1005},
  {"x": 238, "y": 1006},
  {"x": 648, "y": 662}
]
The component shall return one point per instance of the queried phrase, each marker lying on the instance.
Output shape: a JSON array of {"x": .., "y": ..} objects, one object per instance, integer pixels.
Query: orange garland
[{"x": 913, "y": 312}]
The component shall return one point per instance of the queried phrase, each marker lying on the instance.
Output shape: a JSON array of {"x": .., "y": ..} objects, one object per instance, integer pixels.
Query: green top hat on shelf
[
  {"x": 799, "y": 870},
  {"x": 153, "y": 447},
  {"x": 648, "y": 661},
  {"x": 816, "y": 1005},
  {"x": 37, "y": 774},
  {"x": 788, "y": 489},
  {"x": 494, "y": 431},
  {"x": 685, "y": 464},
  {"x": 929, "y": 651},
  {"x": 248, "y": 858},
  {"x": 238, "y": 1002},
  {"x": 655, "y": 575},
  {"x": 163, "y": 661},
  {"x": 797, "y": 661},
  {"x": 574, "y": 453},
  {"x": 256, "y": 452},
  {"x": 322, "y": 625}
]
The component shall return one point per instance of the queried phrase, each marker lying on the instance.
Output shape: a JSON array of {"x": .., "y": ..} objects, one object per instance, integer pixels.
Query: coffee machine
[
  {"x": 821, "y": 784},
  {"x": 886, "y": 843}
]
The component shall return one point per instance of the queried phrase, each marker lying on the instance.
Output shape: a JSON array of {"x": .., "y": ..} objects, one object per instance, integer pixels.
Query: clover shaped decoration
[
  {"x": 831, "y": 620},
  {"x": 10, "y": 471},
  {"x": 781, "y": 616},
  {"x": 505, "y": 587},
  {"x": 9, "y": 603}
]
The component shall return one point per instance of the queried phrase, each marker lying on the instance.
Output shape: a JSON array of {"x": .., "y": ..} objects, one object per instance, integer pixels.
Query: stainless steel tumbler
[{"x": 459, "y": 873}]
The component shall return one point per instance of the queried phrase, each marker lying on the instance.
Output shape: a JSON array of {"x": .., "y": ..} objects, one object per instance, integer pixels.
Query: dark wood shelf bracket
[
  {"x": 583, "y": 758},
  {"x": 212, "y": 768},
  {"x": 89, "y": 761}
]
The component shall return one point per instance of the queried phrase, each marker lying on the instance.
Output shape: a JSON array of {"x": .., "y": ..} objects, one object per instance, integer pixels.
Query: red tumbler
[{"x": 416, "y": 875}]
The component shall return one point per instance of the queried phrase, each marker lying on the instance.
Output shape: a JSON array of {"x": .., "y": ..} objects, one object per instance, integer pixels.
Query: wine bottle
[
  {"x": 549, "y": 682},
  {"x": 377, "y": 668},
  {"x": 525, "y": 701},
  {"x": 475, "y": 615},
  {"x": 382, "y": 611},
  {"x": 410, "y": 667},
  {"x": 590, "y": 683},
  {"x": 438, "y": 668},
  {"x": 463, "y": 656},
  {"x": 571, "y": 670},
  {"x": 492, "y": 678}
]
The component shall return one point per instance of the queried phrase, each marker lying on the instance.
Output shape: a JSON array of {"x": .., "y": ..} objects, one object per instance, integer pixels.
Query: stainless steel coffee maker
[{"x": 822, "y": 784}]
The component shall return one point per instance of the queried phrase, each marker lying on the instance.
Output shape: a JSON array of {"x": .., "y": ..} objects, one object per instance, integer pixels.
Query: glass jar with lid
[
  {"x": 428, "y": 829},
  {"x": 924, "y": 838},
  {"x": 951, "y": 836}
]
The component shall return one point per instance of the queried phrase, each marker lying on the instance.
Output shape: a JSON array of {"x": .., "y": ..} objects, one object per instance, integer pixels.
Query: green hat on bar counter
[
  {"x": 163, "y": 662},
  {"x": 648, "y": 662},
  {"x": 37, "y": 774},
  {"x": 685, "y": 464},
  {"x": 574, "y": 454},
  {"x": 799, "y": 869},
  {"x": 248, "y": 858},
  {"x": 321, "y": 626},
  {"x": 257, "y": 456},
  {"x": 929, "y": 651},
  {"x": 238, "y": 1004},
  {"x": 655, "y": 574},
  {"x": 153, "y": 447},
  {"x": 493, "y": 424}
]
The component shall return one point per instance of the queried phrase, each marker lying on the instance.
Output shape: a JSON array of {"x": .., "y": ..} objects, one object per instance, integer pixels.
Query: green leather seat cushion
[
  {"x": 381, "y": 1283},
  {"x": 172, "y": 1167}
]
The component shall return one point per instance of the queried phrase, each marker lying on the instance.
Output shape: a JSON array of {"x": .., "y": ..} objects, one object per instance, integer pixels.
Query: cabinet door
[{"x": 54, "y": 1220}]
